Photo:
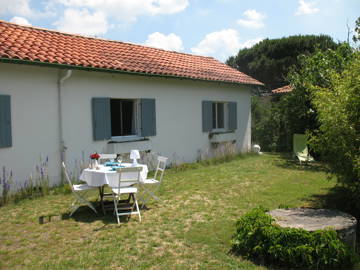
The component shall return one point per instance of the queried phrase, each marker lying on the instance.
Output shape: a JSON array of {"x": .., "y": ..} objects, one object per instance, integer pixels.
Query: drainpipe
[{"x": 62, "y": 147}]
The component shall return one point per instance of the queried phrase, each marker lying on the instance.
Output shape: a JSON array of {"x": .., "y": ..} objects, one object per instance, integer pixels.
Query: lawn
[{"x": 190, "y": 228}]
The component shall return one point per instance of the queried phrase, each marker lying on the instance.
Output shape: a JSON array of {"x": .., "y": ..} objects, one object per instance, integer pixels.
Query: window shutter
[
  {"x": 5, "y": 121},
  {"x": 148, "y": 117},
  {"x": 207, "y": 116},
  {"x": 232, "y": 115},
  {"x": 101, "y": 118}
]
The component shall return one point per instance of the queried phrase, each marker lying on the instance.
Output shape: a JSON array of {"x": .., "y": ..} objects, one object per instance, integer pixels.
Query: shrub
[
  {"x": 338, "y": 137},
  {"x": 257, "y": 237}
]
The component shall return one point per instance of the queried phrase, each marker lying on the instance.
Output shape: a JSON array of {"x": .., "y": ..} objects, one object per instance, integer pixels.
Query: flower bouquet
[{"x": 94, "y": 161}]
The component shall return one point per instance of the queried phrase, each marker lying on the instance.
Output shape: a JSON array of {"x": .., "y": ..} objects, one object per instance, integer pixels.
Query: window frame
[
  {"x": 225, "y": 115},
  {"x": 137, "y": 115}
]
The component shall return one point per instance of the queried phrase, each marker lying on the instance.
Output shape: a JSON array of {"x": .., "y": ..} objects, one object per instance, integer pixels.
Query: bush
[
  {"x": 258, "y": 238},
  {"x": 338, "y": 137}
]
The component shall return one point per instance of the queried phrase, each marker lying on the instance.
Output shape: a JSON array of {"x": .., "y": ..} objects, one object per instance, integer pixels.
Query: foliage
[
  {"x": 338, "y": 137},
  {"x": 356, "y": 36},
  {"x": 36, "y": 185},
  {"x": 294, "y": 112},
  {"x": 5, "y": 185},
  {"x": 269, "y": 126},
  {"x": 258, "y": 237},
  {"x": 270, "y": 60}
]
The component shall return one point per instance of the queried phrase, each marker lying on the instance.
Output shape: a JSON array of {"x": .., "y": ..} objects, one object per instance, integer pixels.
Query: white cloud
[
  {"x": 20, "y": 20},
  {"x": 222, "y": 44},
  {"x": 15, "y": 7},
  {"x": 169, "y": 42},
  {"x": 306, "y": 8},
  {"x": 22, "y": 8},
  {"x": 254, "y": 19},
  {"x": 83, "y": 22},
  {"x": 129, "y": 10}
]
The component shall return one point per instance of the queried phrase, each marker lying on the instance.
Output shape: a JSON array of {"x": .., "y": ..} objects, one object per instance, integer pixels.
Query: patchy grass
[{"x": 189, "y": 229}]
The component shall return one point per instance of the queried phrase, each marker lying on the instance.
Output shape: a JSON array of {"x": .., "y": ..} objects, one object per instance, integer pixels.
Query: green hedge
[{"x": 258, "y": 238}]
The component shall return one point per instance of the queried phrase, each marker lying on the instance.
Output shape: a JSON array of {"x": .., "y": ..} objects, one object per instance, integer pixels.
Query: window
[
  {"x": 114, "y": 118},
  {"x": 219, "y": 116},
  {"x": 5, "y": 121},
  {"x": 124, "y": 114},
  {"x": 219, "y": 113}
]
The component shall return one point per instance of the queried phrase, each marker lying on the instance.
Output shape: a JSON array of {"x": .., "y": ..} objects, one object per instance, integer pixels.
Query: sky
[{"x": 217, "y": 28}]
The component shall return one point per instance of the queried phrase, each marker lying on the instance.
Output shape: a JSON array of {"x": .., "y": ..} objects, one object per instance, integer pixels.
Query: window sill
[
  {"x": 127, "y": 139},
  {"x": 226, "y": 136},
  {"x": 224, "y": 131}
]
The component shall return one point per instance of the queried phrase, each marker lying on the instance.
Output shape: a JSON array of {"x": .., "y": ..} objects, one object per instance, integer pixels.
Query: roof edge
[
  {"x": 74, "y": 67},
  {"x": 100, "y": 38}
]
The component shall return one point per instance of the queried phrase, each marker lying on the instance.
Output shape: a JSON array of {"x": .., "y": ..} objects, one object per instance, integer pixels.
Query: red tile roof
[
  {"x": 42, "y": 46},
  {"x": 284, "y": 89}
]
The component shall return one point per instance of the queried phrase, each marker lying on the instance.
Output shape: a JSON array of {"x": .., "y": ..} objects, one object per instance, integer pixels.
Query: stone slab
[{"x": 318, "y": 219}]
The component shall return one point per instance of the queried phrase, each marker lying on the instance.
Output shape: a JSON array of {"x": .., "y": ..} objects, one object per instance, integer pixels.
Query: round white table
[{"x": 106, "y": 176}]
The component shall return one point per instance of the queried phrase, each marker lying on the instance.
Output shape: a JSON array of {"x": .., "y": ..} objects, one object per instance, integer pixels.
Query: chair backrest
[
  {"x": 107, "y": 157},
  {"x": 67, "y": 176},
  {"x": 299, "y": 145},
  {"x": 160, "y": 169},
  {"x": 127, "y": 176}
]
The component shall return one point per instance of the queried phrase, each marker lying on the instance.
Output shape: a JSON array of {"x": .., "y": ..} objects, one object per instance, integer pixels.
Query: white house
[{"x": 65, "y": 96}]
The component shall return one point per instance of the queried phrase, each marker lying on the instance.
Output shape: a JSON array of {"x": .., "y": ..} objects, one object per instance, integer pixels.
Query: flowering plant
[{"x": 95, "y": 156}]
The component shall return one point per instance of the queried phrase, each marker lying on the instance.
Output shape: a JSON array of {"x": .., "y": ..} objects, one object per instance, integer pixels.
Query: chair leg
[
  {"x": 91, "y": 206},
  {"x": 116, "y": 210},
  {"x": 82, "y": 200},
  {"x": 74, "y": 207},
  {"x": 137, "y": 207},
  {"x": 148, "y": 194}
]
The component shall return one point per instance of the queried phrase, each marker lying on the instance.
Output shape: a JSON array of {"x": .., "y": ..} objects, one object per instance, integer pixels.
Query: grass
[{"x": 190, "y": 228}]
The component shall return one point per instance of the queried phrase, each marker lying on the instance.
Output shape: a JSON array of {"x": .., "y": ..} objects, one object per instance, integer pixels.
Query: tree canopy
[
  {"x": 269, "y": 61},
  {"x": 356, "y": 36}
]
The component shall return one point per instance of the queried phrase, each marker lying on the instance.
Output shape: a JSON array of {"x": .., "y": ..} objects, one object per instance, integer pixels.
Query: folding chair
[
  {"x": 127, "y": 184},
  {"x": 150, "y": 186},
  {"x": 300, "y": 148},
  {"x": 106, "y": 157},
  {"x": 76, "y": 190}
]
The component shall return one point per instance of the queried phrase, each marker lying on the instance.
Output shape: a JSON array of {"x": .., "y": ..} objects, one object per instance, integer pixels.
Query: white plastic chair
[
  {"x": 106, "y": 157},
  {"x": 126, "y": 184},
  {"x": 150, "y": 186},
  {"x": 76, "y": 190}
]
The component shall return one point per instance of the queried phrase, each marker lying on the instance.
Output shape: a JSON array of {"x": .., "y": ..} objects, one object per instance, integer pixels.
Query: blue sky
[{"x": 217, "y": 28}]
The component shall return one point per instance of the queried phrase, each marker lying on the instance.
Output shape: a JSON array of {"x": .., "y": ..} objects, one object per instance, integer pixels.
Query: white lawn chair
[
  {"x": 104, "y": 157},
  {"x": 150, "y": 186},
  {"x": 126, "y": 184},
  {"x": 76, "y": 190}
]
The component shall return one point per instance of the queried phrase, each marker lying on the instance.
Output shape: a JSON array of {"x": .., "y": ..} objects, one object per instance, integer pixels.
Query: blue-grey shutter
[
  {"x": 232, "y": 115},
  {"x": 207, "y": 116},
  {"x": 101, "y": 117},
  {"x": 148, "y": 117},
  {"x": 5, "y": 121}
]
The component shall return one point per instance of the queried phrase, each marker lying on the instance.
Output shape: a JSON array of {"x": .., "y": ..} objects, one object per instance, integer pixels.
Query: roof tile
[
  {"x": 41, "y": 45},
  {"x": 284, "y": 89}
]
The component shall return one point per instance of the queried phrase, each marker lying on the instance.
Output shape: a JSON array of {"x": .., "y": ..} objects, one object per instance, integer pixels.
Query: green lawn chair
[{"x": 300, "y": 148}]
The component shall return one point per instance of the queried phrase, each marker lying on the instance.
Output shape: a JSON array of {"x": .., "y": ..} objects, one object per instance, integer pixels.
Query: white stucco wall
[{"x": 35, "y": 124}]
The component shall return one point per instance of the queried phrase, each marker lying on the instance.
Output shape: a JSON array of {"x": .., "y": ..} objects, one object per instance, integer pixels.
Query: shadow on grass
[
  {"x": 85, "y": 215},
  {"x": 336, "y": 198},
  {"x": 287, "y": 161}
]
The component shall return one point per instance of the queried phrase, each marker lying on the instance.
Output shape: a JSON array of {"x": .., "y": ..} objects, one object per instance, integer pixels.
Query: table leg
[{"x": 101, "y": 192}]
